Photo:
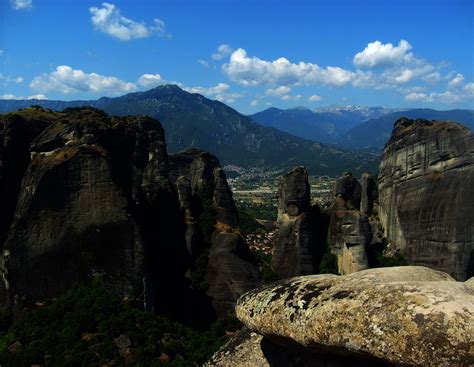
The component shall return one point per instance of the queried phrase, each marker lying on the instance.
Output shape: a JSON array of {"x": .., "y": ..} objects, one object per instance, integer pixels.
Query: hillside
[
  {"x": 375, "y": 132},
  {"x": 191, "y": 120},
  {"x": 325, "y": 125}
]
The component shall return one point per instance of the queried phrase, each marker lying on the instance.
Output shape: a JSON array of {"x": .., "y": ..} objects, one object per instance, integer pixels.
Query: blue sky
[{"x": 248, "y": 54}]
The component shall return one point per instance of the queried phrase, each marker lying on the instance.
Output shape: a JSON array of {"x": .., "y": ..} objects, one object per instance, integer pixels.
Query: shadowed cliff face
[
  {"x": 298, "y": 244},
  {"x": 98, "y": 195},
  {"x": 426, "y": 185}
]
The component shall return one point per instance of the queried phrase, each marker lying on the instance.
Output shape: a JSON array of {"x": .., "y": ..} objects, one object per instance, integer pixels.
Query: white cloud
[
  {"x": 150, "y": 80},
  {"x": 291, "y": 98},
  {"x": 457, "y": 81},
  {"x": 222, "y": 52},
  {"x": 12, "y": 96},
  {"x": 109, "y": 20},
  {"x": 212, "y": 91},
  {"x": 433, "y": 77},
  {"x": 1, "y": 52},
  {"x": 379, "y": 54},
  {"x": 37, "y": 96},
  {"x": 68, "y": 80},
  {"x": 447, "y": 97},
  {"x": 8, "y": 79},
  {"x": 252, "y": 71},
  {"x": 219, "y": 92},
  {"x": 469, "y": 89},
  {"x": 203, "y": 63},
  {"x": 21, "y": 4},
  {"x": 254, "y": 103},
  {"x": 278, "y": 92},
  {"x": 314, "y": 98}
]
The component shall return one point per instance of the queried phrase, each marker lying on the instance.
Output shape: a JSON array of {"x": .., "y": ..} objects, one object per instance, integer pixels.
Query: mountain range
[
  {"x": 351, "y": 127},
  {"x": 328, "y": 141},
  {"x": 191, "y": 120}
]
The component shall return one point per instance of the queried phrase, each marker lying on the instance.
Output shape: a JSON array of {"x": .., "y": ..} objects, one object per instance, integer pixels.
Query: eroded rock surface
[
  {"x": 297, "y": 248},
  {"x": 98, "y": 195},
  {"x": 404, "y": 316},
  {"x": 249, "y": 349},
  {"x": 205, "y": 196},
  {"x": 426, "y": 185},
  {"x": 350, "y": 231}
]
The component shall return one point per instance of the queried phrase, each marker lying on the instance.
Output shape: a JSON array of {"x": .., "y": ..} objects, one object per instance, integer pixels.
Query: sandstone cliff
[
  {"x": 426, "y": 185},
  {"x": 298, "y": 247},
  {"x": 98, "y": 195},
  {"x": 350, "y": 231}
]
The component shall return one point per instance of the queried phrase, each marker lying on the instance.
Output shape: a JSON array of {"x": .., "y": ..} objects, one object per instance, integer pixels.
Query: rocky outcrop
[
  {"x": 426, "y": 185},
  {"x": 98, "y": 195},
  {"x": 390, "y": 316},
  {"x": 17, "y": 131},
  {"x": 249, "y": 349},
  {"x": 350, "y": 231},
  {"x": 212, "y": 229},
  {"x": 79, "y": 205},
  {"x": 349, "y": 189},
  {"x": 369, "y": 193},
  {"x": 297, "y": 248}
]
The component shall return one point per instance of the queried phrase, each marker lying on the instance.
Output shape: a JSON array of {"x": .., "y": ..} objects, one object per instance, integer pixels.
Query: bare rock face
[
  {"x": 76, "y": 213},
  {"x": 349, "y": 189},
  {"x": 369, "y": 192},
  {"x": 206, "y": 197},
  {"x": 17, "y": 131},
  {"x": 426, "y": 186},
  {"x": 297, "y": 250},
  {"x": 249, "y": 349},
  {"x": 402, "y": 316},
  {"x": 349, "y": 229},
  {"x": 98, "y": 195}
]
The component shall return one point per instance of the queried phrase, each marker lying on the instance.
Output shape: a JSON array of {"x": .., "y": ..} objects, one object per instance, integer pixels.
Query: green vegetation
[
  {"x": 207, "y": 222},
  {"x": 387, "y": 261},
  {"x": 378, "y": 258},
  {"x": 264, "y": 264},
  {"x": 89, "y": 326},
  {"x": 248, "y": 224},
  {"x": 258, "y": 211},
  {"x": 328, "y": 264}
]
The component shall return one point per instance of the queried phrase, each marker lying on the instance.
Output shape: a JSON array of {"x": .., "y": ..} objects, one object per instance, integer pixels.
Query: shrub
[
  {"x": 79, "y": 328},
  {"x": 328, "y": 264}
]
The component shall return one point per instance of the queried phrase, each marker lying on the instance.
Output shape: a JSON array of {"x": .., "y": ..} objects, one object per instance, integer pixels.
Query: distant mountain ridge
[
  {"x": 351, "y": 127},
  {"x": 374, "y": 133},
  {"x": 191, "y": 120},
  {"x": 326, "y": 125}
]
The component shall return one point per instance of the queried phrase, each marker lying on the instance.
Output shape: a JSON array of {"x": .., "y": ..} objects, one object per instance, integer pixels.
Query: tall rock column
[
  {"x": 223, "y": 265},
  {"x": 349, "y": 229},
  {"x": 297, "y": 250},
  {"x": 426, "y": 191}
]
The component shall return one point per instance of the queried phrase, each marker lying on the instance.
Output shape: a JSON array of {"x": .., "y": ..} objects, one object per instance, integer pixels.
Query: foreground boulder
[
  {"x": 98, "y": 196},
  {"x": 402, "y": 316},
  {"x": 426, "y": 186},
  {"x": 297, "y": 248}
]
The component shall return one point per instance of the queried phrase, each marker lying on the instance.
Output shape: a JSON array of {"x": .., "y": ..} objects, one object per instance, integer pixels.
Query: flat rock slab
[{"x": 404, "y": 315}]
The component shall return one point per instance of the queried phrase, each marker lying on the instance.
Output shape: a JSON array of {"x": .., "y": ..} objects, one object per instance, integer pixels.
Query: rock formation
[
  {"x": 426, "y": 185},
  {"x": 349, "y": 229},
  {"x": 205, "y": 196},
  {"x": 98, "y": 195},
  {"x": 378, "y": 317},
  {"x": 369, "y": 193},
  {"x": 297, "y": 248}
]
